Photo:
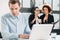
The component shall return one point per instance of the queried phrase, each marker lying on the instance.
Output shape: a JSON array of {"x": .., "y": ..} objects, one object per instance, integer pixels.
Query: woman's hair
[
  {"x": 47, "y": 6},
  {"x": 33, "y": 9}
]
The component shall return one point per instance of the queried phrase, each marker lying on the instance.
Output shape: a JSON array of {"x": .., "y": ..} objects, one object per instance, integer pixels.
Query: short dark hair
[
  {"x": 14, "y": 1},
  {"x": 33, "y": 9},
  {"x": 47, "y": 6}
]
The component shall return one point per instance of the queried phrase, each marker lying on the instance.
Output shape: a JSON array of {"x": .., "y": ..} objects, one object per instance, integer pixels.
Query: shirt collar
[{"x": 15, "y": 16}]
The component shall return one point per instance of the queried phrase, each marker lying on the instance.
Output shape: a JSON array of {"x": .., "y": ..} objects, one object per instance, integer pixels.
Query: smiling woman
[
  {"x": 34, "y": 16},
  {"x": 46, "y": 18}
]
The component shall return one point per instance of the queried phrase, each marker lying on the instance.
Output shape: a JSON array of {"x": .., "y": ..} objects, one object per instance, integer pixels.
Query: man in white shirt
[{"x": 14, "y": 24}]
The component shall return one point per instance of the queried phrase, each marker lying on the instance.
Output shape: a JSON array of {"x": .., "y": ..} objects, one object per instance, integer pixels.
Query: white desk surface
[
  {"x": 57, "y": 38},
  {"x": 23, "y": 39}
]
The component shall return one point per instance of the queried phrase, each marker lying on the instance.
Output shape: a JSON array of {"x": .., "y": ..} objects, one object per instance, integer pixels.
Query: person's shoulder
[
  {"x": 41, "y": 16},
  {"x": 31, "y": 15},
  {"x": 50, "y": 15},
  {"x": 22, "y": 14},
  {"x": 6, "y": 15}
]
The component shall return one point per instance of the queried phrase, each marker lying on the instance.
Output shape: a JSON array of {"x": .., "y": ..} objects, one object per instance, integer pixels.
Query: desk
[{"x": 57, "y": 38}]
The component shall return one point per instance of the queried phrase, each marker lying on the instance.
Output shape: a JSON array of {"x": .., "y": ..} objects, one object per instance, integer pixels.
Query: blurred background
[{"x": 26, "y": 6}]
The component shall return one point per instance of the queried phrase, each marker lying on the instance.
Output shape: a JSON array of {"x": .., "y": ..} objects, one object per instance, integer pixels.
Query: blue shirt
[{"x": 12, "y": 26}]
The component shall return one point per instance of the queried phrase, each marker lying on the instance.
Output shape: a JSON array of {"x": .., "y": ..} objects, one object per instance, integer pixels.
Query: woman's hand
[{"x": 36, "y": 17}]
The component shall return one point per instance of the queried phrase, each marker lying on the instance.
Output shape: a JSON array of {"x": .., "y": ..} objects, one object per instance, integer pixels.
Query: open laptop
[{"x": 41, "y": 31}]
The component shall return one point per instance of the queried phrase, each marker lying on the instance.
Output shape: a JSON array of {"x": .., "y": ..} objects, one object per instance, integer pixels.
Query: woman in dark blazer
[
  {"x": 33, "y": 16},
  {"x": 46, "y": 18}
]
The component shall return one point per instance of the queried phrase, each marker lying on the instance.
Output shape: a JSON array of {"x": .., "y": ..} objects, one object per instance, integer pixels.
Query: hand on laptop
[{"x": 24, "y": 36}]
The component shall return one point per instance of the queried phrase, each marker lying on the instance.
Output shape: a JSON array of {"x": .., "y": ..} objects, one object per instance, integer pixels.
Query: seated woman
[
  {"x": 46, "y": 18},
  {"x": 33, "y": 17}
]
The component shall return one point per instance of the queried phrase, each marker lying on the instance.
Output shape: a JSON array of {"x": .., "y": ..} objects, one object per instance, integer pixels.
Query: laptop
[{"x": 41, "y": 31}]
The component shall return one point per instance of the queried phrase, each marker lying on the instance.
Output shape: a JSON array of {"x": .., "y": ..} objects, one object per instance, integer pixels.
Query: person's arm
[
  {"x": 27, "y": 29},
  {"x": 5, "y": 29},
  {"x": 52, "y": 18},
  {"x": 31, "y": 21}
]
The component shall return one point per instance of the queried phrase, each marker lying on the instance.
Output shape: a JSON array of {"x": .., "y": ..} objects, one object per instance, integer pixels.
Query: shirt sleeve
[
  {"x": 27, "y": 29},
  {"x": 52, "y": 19},
  {"x": 30, "y": 19},
  {"x": 5, "y": 30}
]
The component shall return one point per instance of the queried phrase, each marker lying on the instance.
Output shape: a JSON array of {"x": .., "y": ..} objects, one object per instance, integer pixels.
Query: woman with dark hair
[
  {"x": 46, "y": 18},
  {"x": 33, "y": 16}
]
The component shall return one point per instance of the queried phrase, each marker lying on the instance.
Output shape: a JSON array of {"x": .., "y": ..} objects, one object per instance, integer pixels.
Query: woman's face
[
  {"x": 37, "y": 11},
  {"x": 45, "y": 10}
]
